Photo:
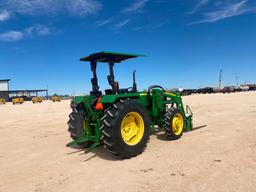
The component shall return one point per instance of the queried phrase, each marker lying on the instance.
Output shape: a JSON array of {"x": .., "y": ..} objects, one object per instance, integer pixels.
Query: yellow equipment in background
[
  {"x": 37, "y": 99},
  {"x": 2, "y": 101},
  {"x": 56, "y": 98},
  {"x": 16, "y": 100}
]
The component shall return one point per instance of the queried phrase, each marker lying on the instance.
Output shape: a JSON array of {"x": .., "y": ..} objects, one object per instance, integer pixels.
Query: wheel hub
[
  {"x": 132, "y": 128},
  {"x": 177, "y": 124}
]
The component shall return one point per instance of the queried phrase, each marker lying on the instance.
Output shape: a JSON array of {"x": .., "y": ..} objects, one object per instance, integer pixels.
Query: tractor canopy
[{"x": 109, "y": 57}]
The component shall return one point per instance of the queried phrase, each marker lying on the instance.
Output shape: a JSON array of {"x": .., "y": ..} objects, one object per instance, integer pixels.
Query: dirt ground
[{"x": 219, "y": 155}]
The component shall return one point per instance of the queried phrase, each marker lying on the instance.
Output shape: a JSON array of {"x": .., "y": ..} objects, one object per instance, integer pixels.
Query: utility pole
[
  {"x": 220, "y": 78},
  {"x": 47, "y": 95},
  {"x": 236, "y": 81},
  {"x": 74, "y": 93}
]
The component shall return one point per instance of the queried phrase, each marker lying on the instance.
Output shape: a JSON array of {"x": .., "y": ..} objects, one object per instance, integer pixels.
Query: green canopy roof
[{"x": 107, "y": 57}]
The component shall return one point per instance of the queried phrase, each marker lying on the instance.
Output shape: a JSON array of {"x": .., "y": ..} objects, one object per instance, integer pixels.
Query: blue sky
[{"x": 186, "y": 42}]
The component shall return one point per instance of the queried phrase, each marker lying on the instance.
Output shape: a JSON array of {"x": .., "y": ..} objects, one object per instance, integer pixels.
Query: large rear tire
[
  {"x": 125, "y": 129},
  {"x": 77, "y": 123}
]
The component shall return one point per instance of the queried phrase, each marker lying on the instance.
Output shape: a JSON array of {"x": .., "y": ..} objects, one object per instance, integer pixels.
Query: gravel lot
[{"x": 219, "y": 155}]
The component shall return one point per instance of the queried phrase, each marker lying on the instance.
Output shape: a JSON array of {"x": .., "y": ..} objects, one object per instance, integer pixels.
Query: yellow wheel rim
[
  {"x": 177, "y": 124},
  {"x": 132, "y": 128}
]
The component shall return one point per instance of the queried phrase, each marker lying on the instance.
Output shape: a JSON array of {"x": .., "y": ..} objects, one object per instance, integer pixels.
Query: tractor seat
[
  {"x": 123, "y": 91},
  {"x": 109, "y": 92},
  {"x": 117, "y": 90},
  {"x": 95, "y": 93},
  {"x": 114, "y": 90}
]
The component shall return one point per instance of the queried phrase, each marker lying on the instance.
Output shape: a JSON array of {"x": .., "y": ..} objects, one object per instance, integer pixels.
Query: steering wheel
[{"x": 153, "y": 87}]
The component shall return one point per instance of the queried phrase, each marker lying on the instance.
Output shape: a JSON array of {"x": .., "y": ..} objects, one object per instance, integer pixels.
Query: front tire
[
  {"x": 174, "y": 123},
  {"x": 125, "y": 129}
]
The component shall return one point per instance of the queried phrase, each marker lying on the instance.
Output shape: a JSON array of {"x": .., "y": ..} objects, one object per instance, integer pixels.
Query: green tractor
[{"x": 122, "y": 119}]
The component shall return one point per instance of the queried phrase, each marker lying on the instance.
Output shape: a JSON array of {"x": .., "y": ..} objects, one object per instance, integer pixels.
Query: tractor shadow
[
  {"x": 102, "y": 153},
  {"x": 99, "y": 152},
  {"x": 198, "y": 127},
  {"x": 159, "y": 133}
]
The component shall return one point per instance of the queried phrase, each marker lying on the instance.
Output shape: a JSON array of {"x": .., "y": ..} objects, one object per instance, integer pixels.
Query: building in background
[
  {"x": 8, "y": 94},
  {"x": 4, "y": 88}
]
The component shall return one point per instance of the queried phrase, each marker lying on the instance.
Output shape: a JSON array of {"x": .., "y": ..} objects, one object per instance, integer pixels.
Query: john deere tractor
[{"x": 121, "y": 118}]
